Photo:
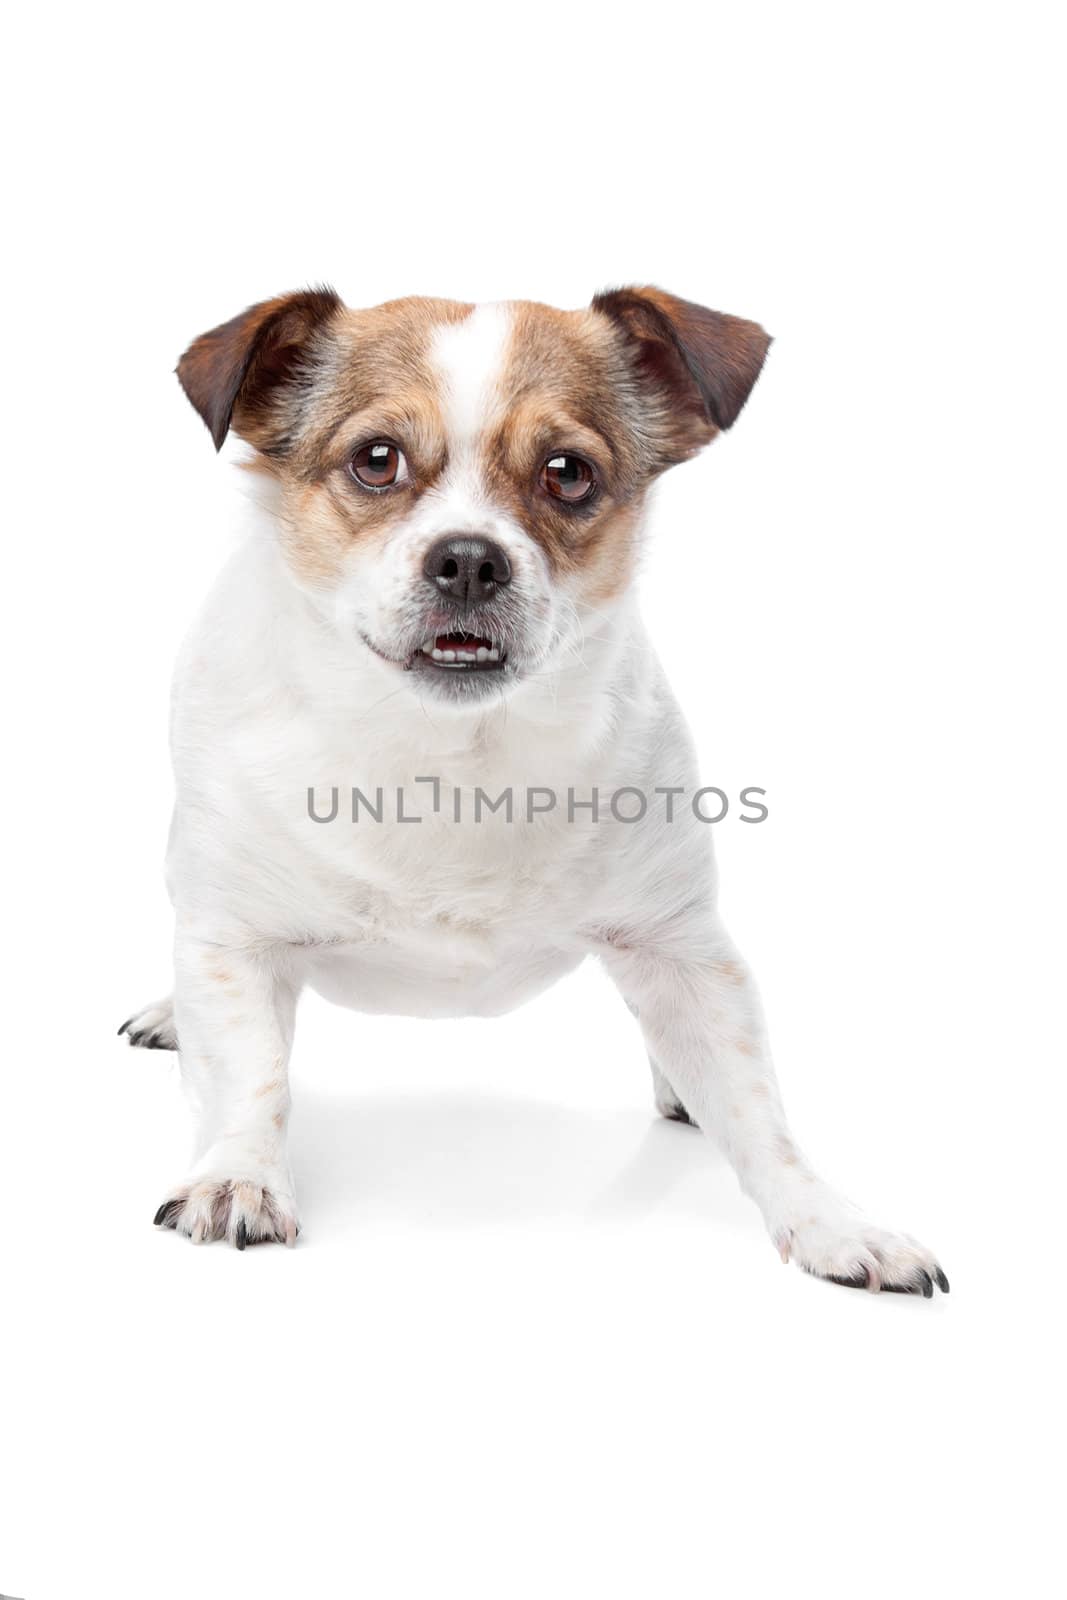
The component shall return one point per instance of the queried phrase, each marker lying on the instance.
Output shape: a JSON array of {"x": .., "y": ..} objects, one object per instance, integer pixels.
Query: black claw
[
  {"x": 849, "y": 1283},
  {"x": 680, "y": 1114},
  {"x": 125, "y": 1025},
  {"x": 166, "y": 1214},
  {"x": 146, "y": 1041},
  {"x": 242, "y": 1235},
  {"x": 924, "y": 1287}
]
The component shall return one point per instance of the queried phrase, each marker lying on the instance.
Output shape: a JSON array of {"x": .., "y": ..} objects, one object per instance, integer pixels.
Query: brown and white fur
[{"x": 309, "y": 667}]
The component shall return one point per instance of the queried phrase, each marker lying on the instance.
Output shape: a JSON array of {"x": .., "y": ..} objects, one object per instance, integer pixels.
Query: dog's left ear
[
  {"x": 242, "y": 373},
  {"x": 699, "y": 364}
]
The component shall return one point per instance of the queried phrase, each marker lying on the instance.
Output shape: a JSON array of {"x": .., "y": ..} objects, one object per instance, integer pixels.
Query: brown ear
[
  {"x": 235, "y": 373},
  {"x": 703, "y": 363}
]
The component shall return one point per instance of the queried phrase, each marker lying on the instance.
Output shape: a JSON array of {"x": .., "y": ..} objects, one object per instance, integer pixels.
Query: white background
[{"x": 533, "y": 1341}]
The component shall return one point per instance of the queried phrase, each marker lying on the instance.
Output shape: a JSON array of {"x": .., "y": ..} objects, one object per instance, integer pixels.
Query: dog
[{"x": 438, "y": 605}]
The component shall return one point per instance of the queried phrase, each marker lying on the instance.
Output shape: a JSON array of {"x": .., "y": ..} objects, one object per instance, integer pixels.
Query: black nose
[{"x": 469, "y": 569}]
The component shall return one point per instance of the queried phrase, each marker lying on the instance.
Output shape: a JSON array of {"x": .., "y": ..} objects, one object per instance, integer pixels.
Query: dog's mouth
[
  {"x": 461, "y": 665},
  {"x": 460, "y": 652}
]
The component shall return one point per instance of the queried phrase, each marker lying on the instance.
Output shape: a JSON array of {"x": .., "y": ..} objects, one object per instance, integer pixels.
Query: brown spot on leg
[
  {"x": 732, "y": 971},
  {"x": 787, "y": 1150}
]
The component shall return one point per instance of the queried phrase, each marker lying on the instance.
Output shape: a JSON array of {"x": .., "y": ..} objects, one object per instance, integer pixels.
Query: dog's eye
[
  {"x": 569, "y": 478},
  {"x": 379, "y": 465}
]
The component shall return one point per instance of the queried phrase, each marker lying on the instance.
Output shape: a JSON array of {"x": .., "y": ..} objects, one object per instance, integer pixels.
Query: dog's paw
[
  {"x": 844, "y": 1249},
  {"x": 152, "y": 1028},
  {"x": 235, "y": 1209}
]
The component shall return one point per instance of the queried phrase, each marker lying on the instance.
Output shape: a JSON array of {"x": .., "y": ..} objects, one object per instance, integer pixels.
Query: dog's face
[{"x": 462, "y": 486}]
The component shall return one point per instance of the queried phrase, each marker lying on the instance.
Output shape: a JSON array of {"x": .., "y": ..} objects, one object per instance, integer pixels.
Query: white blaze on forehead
[{"x": 469, "y": 358}]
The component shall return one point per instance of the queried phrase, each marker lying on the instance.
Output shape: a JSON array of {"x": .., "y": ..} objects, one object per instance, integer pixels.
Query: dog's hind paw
[
  {"x": 236, "y": 1210},
  {"x": 671, "y": 1108},
  {"x": 152, "y": 1028},
  {"x": 667, "y": 1102}
]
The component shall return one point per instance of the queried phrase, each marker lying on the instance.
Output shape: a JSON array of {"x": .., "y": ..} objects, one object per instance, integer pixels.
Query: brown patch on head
[
  {"x": 306, "y": 381},
  {"x": 564, "y": 389},
  {"x": 375, "y": 381}
]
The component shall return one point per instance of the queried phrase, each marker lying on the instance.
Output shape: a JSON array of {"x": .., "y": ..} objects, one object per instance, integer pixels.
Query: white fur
[
  {"x": 469, "y": 356},
  {"x": 275, "y": 691}
]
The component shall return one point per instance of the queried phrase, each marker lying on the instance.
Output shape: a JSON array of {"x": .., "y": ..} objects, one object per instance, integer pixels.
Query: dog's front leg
[
  {"x": 700, "y": 1015},
  {"x": 234, "y": 1012}
]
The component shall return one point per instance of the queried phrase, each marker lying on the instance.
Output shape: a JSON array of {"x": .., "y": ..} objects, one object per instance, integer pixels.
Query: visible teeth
[{"x": 465, "y": 655}]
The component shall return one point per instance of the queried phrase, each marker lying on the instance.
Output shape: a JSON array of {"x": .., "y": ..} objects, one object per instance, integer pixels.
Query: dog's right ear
[{"x": 238, "y": 374}]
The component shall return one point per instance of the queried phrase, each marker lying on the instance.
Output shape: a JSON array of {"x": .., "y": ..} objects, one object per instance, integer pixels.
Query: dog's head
[{"x": 462, "y": 486}]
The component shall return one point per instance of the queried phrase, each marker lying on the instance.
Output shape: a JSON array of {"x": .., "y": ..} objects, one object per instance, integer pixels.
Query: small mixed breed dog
[{"x": 439, "y": 602}]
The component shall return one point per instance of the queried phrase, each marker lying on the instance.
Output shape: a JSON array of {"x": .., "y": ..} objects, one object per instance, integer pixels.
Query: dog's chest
[
  {"x": 459, "y": 893},
  {"x": 422, "y": 903},
  {"x": 437, "y": 918}
]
